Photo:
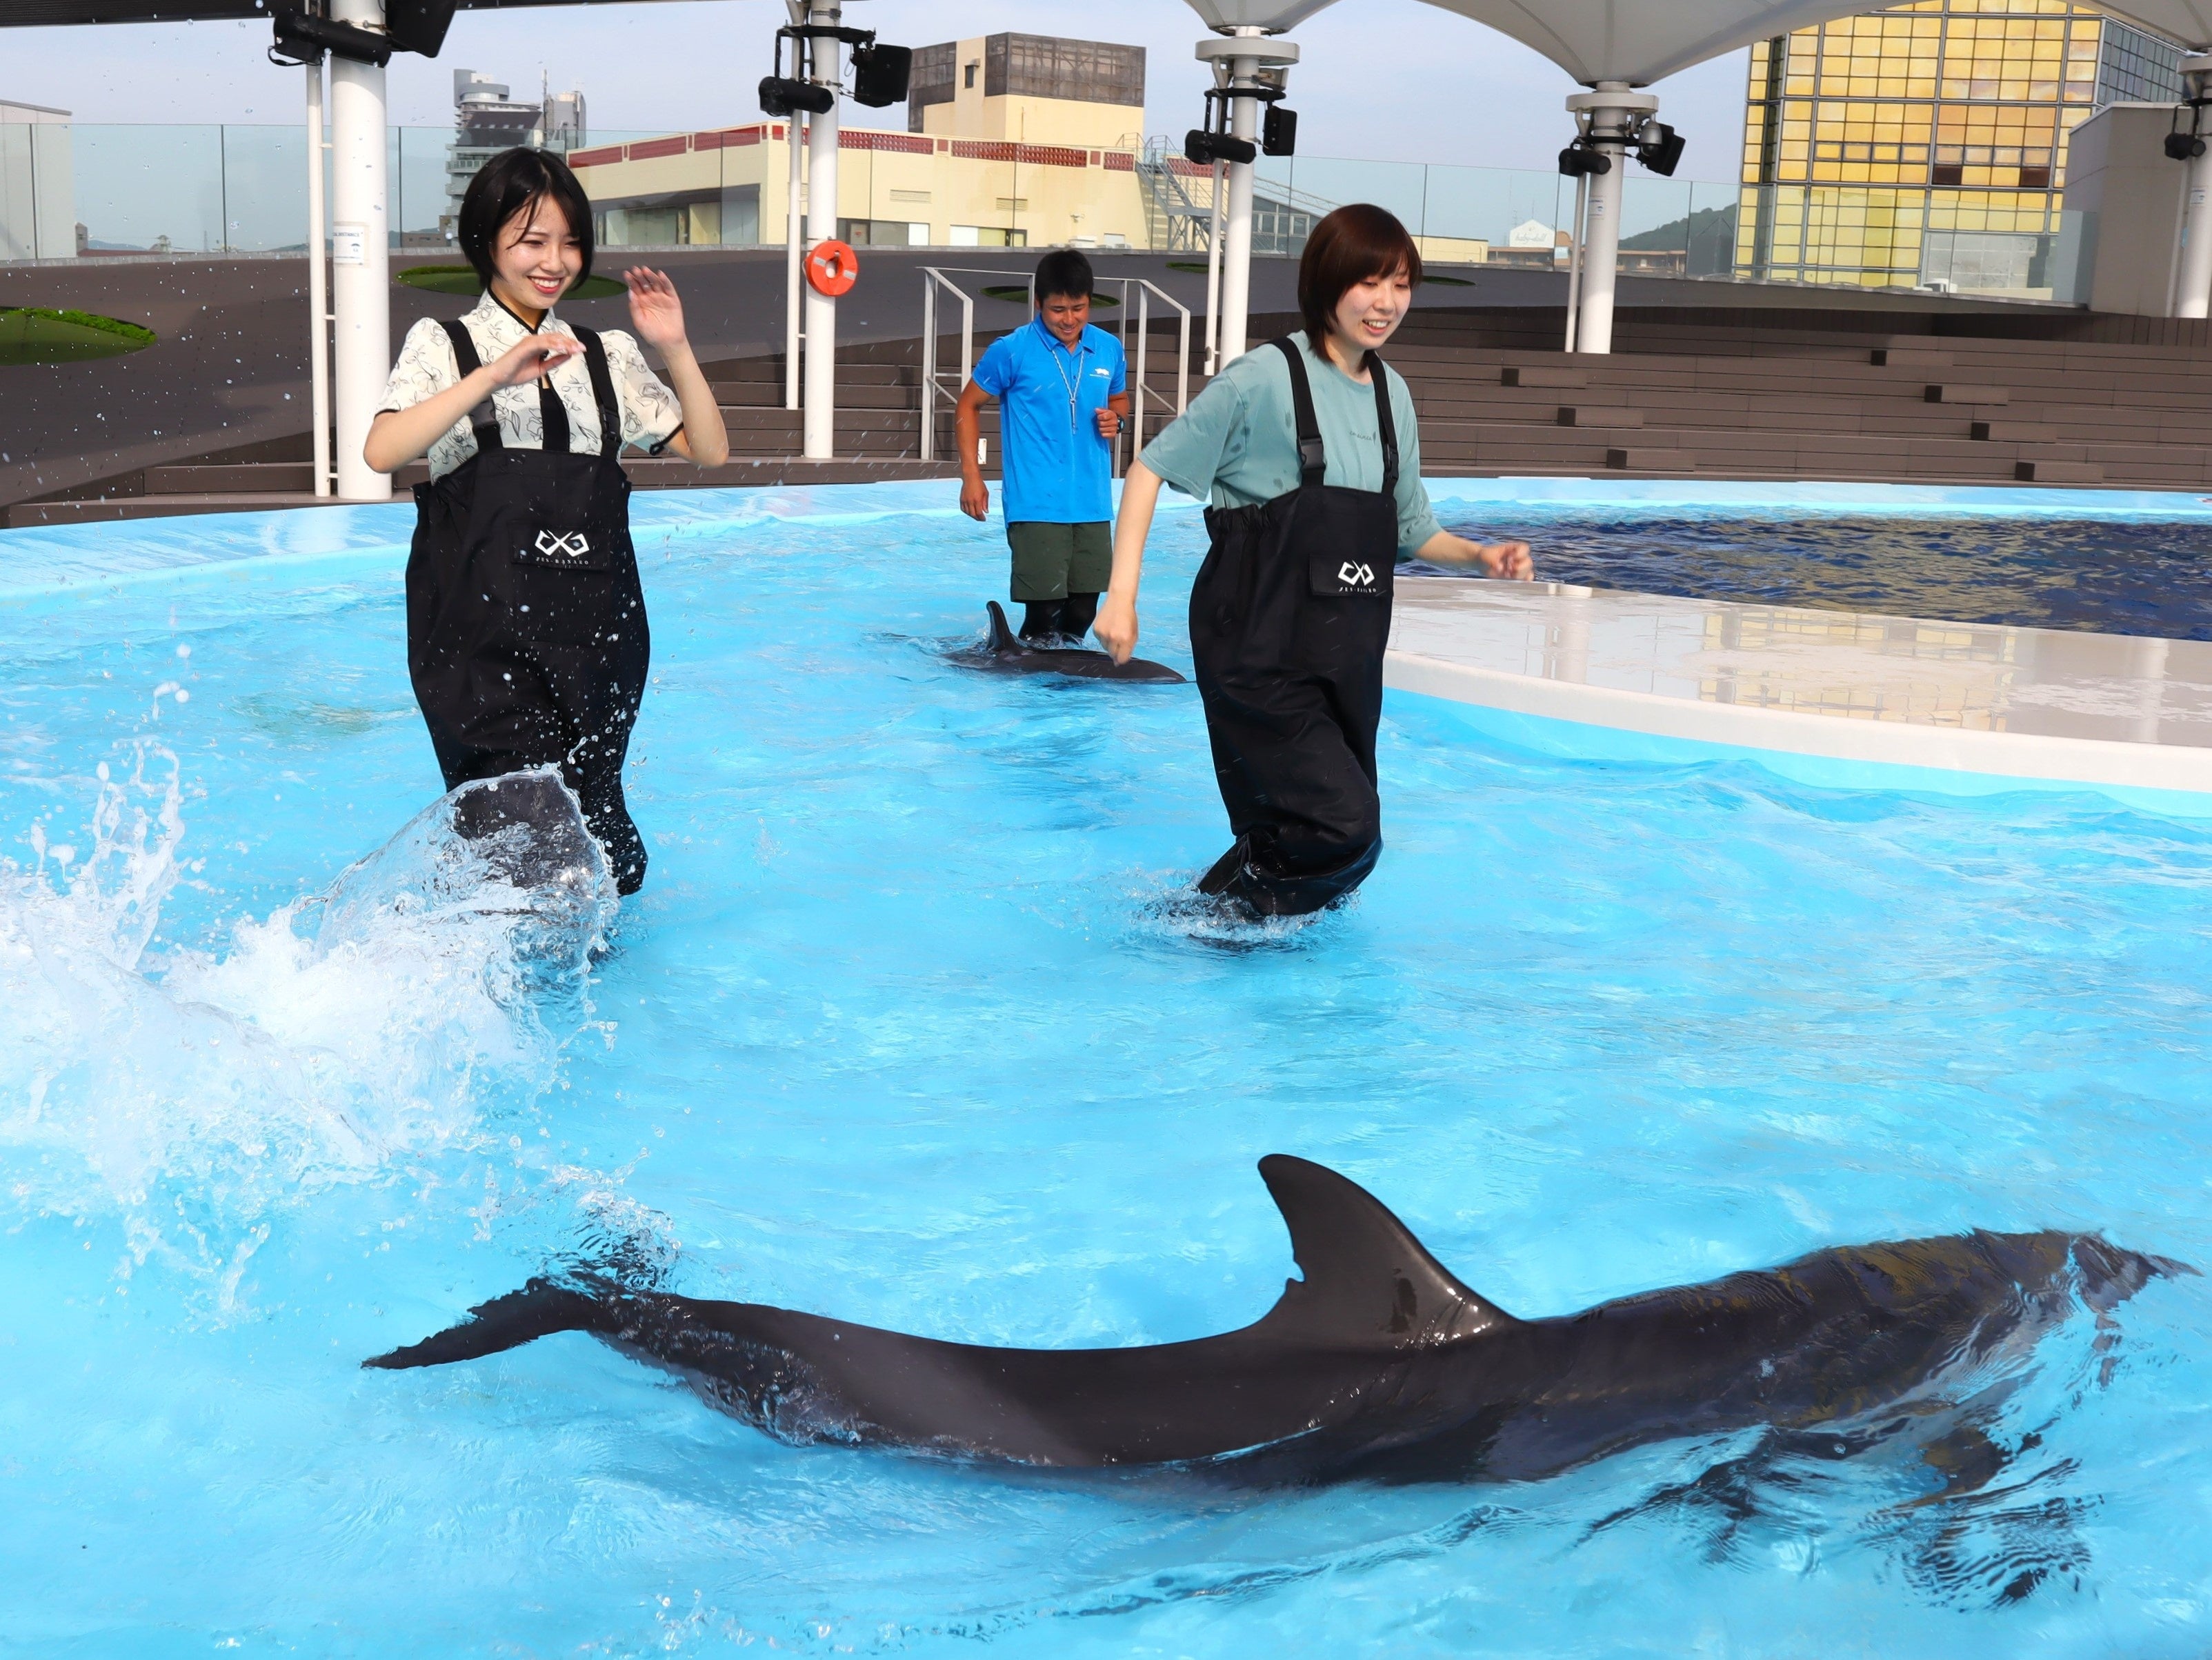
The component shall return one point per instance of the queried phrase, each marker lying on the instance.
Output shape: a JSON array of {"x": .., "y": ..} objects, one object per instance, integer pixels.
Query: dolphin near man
[
  {"x": 1005, "y": 652},
  {"x": 1377, "y": 1363}
]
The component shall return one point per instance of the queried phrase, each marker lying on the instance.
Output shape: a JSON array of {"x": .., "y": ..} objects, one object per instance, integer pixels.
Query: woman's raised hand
[
  {"x": 541, "y": 354},
  {"x": 655, "y": 311}
]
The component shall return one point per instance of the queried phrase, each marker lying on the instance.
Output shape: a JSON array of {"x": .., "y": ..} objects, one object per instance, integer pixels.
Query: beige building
[{"x": 1012, "y": 140}]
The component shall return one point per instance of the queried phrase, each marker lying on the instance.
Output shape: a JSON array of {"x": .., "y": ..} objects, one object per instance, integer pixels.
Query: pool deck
[{"x": 1830, "y": 695}]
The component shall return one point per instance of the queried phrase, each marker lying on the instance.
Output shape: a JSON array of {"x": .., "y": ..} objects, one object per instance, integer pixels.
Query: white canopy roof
[
  {"x": 1640, "y": 41},
  {"x": 1273, "y": 15}
]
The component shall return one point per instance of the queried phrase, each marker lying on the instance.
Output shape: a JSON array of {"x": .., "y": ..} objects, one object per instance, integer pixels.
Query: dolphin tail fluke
[
  {"x": 1002, "y": 633},
  {"x": 1368, "y": 1280},
  {"x": 538, "y": 1310}
]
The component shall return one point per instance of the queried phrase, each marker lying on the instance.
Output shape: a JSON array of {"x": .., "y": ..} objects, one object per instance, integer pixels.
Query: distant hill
[{"x": 1708, "y": 235}]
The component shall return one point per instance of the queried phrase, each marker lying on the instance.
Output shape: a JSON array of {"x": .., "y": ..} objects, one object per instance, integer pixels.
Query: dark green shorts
[{"x": 1053, "y": 561}]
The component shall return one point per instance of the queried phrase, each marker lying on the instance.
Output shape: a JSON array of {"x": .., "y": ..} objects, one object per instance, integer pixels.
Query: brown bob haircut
[
  {"x": 1356, "y": 242},
  {"x": 515, "y": 182}
]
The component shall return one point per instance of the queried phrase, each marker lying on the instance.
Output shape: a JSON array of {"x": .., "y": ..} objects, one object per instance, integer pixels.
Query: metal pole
[
  {"x": 1144, "y": 335},
  {"x": 929, "y": 366},
  {"x": 826, "y": 62},
  {"x": 792, "y": 289},
  {"x": 1213, "y": 278},
  {"x": 1614, "y": 111},
  {"x": 1575, "y": 255},
  {"x": 361, "y": 260},
  {"x": 2192, "y": 287},
  {"x": 1237, "y": 233},
  {"x": 319, "y": 297}
]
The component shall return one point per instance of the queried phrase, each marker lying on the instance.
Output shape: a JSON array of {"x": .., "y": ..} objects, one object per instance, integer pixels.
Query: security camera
[
  {"x": 1659, "y": 147},
  {"x": 781, "y": 96},
  {"x": 1203, "y": 148},
  {"x": 1579, "y": 159},
  {"x": 2184, "y": 146}
]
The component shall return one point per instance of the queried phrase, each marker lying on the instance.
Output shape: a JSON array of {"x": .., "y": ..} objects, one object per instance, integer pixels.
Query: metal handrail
[
  {"x": 931, "y": 280},
  {"x": 936, "y": 380}
]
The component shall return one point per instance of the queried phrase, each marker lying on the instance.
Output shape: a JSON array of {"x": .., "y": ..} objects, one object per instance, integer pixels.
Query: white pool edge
[{"x": 1594, "y": 723}]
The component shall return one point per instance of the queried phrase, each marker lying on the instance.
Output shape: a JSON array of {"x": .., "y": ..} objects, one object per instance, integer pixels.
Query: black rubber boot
[{"x": 1041, "y": 621}]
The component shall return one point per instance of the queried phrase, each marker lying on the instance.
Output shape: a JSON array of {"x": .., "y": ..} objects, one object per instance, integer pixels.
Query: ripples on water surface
[
  {"x": 2106, "y": 576},
  {"x": 911, "y": 1026}
]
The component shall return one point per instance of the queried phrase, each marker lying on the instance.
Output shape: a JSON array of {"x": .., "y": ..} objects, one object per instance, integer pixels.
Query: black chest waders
[
  {"x": 526, "y": 638},
  {"x": 1289, "y": 620}
]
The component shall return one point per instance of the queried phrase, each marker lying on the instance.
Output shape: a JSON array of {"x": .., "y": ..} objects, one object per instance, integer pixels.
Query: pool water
[
  {"x": 2109, "y": 575},
  {"x": 911, "y": 1026}
]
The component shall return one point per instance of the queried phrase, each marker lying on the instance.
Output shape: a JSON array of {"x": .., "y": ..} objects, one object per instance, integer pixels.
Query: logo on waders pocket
[
  {"x": 573, "y": 546},
  {"x": 1355, "y": 576}
]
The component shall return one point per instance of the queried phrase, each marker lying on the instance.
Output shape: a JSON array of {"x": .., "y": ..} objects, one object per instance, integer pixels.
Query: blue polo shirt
[{"x": 1058, "y": 470}]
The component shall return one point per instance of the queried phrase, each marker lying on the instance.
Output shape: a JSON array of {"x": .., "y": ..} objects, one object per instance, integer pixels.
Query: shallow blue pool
[{"x": 910, "y": 1027}]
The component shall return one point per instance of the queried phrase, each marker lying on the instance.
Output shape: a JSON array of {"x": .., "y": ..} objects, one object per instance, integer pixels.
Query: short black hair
[
  {"x": 1356, "y": 243},
  {"x": 1065, "y": 272},
  {"x": 516, "y": 181}
]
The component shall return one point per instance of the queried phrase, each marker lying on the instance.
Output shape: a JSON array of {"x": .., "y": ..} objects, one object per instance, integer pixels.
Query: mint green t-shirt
[{"x": 1237, "y": 443}]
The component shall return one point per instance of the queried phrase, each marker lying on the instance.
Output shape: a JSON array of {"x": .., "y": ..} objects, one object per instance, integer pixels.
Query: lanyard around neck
[{"x": 1074, "y": 385}]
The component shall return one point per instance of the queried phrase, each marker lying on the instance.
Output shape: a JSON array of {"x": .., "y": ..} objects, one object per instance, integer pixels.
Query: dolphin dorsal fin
[
  {"x": 1368, "y": 1280},
  {"x": 1002, "y": 634}
]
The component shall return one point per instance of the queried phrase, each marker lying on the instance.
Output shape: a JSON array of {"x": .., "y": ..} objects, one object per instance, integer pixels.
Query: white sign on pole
[{"x": 348, "y": 245}]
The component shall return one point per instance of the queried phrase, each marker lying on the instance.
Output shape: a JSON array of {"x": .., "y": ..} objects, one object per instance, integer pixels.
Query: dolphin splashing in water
[
  {"x": 1378, "y": 1363},
  {"x": 1005, "y": 652}
]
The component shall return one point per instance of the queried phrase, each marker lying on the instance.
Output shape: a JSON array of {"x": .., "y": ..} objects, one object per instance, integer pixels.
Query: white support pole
[
  {"x": 318, "y": 293},
  {"x": 1575, "y": 256},
  {"x": 361, "y": 259},
  {"x": 1248, "y": 52},
  {"x": 2193, "y": 284},
  {"x": 793, "y": 284},
  {"x": 1614, "y": 112},
  {"x": 1214, "y": 277},
  {"x": 825, "y": 59}
]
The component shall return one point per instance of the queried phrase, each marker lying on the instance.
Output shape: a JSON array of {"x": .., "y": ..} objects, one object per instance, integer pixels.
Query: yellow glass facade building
[{"x": 1925, "y": 145}]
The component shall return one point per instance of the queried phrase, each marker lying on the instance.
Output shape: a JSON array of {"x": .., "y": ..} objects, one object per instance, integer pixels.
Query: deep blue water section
[
  {"x": 912, "y": 1026},
  {"x": 2108, "y": 575}
]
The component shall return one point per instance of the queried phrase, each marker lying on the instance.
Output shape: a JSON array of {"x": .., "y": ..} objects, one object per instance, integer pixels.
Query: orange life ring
[{"x": 832, "y": 268}]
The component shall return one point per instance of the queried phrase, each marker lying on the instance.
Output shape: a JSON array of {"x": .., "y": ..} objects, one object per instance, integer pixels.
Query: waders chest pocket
[{"x": 1332, "y": 574}]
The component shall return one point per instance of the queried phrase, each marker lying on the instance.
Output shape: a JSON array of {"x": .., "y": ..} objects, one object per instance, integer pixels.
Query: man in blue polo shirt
[{"x": 1062, "y": 392}]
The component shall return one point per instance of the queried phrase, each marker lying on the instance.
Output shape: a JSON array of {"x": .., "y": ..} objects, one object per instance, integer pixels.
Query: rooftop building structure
[
  {"x": 486, "y": 121},
  {"x": 1925, "y": 145},
  {"x": 1031, "y": 88}
]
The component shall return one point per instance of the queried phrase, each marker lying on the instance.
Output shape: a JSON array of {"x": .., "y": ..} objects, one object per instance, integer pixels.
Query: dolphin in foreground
[
  {"x": 1377, "y": 1363},
  {"x": 1007, "y": 653}
]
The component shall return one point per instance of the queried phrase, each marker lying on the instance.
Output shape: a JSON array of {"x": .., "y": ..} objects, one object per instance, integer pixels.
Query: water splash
[{"x": 192, "y": 1099}]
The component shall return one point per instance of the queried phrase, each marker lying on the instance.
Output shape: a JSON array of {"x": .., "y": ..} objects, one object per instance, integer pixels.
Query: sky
[{"x": 1476, "y": 98}]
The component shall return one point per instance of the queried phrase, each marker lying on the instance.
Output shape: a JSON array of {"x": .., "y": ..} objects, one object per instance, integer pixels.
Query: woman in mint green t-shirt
[{"x": 1308, "y": 452}]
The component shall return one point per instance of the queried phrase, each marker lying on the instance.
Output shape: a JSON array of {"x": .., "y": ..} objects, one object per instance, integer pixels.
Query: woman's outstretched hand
[
  {"x": 1116, "y": 627},
  {"x": 1510, "y": 560},
  {"x": 655, "y": 311}
]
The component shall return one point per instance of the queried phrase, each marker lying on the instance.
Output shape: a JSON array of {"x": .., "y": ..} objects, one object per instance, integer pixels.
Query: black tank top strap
[
  {"x": 603, "y": 392},
  {"x": 1384, "y": 425},
  {"x": 1313, "y": 456},
  {"x": 468, "y": 361}
]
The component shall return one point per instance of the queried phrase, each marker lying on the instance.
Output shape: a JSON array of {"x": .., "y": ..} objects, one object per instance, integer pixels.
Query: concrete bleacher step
[
  {"x": 1642, "y": 457},
  {"x": 2058, "y": 473},
  {"x": 1536, "y": 374},
  {"x": 1608, "y": 416},
  {"x": 2012, "y": 432},
  {"x": 1909, "y": 357}
]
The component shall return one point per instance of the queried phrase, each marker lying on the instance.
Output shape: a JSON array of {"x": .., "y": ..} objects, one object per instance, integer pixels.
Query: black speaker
[
  {"x": 2184, "y": 146},
  {"x": 1278, "y": 132},
  {"x": 1202, "y": 148},
  {"x": 879, "y": 74},
  {"x": 780, "y": 97},
  {"x": 418, "y": 25}
]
